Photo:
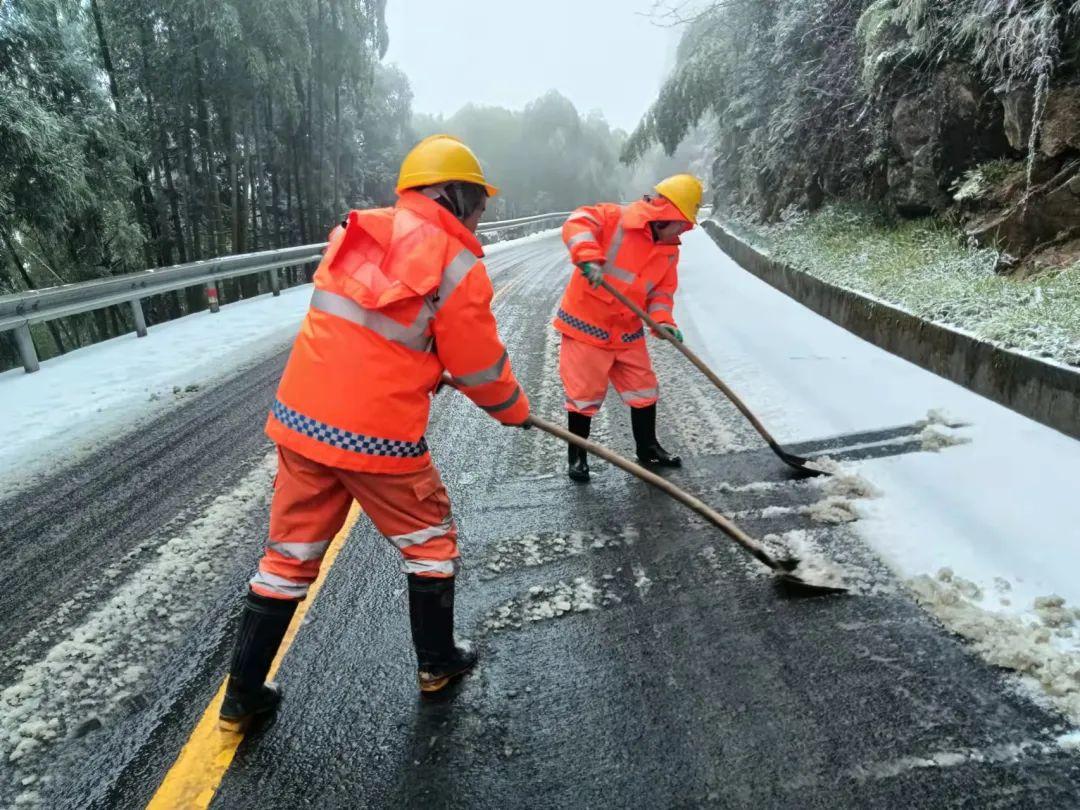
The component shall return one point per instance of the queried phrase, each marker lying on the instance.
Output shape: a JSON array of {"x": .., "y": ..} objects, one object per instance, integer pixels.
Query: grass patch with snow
[{"x": 922, "y": 267}]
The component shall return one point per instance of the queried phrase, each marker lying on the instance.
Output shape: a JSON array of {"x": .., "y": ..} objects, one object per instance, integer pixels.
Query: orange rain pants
[
  {"x": 586, "y": 369},
  {"x": 311, "y": 503}
]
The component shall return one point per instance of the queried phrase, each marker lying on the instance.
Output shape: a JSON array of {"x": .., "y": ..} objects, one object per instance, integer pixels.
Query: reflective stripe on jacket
[
  {"x": 619, "y": 238},
  {"x": 400, "y": 296}
]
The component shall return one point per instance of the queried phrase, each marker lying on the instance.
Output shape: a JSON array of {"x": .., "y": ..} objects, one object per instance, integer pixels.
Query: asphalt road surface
[{"x": 631, "y": 655}]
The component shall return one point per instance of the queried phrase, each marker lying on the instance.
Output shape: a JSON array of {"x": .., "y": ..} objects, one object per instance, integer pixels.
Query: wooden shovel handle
[{"x": 697, "y": 361}]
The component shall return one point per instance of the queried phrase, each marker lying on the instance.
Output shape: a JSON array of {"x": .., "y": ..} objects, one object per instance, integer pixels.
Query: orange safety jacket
[
  {"x": 400, "y": 295},
  {"x": 619, "y": 238}
]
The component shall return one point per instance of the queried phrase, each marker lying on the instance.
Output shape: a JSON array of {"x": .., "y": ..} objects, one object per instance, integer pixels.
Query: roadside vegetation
[
  {"x": 141, "y": 133},
  {"x": 957, "y": 123},
  {"x": 921, "y": 266}
]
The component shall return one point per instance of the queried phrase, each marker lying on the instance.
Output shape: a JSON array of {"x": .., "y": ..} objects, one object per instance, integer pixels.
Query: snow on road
[
  {"x": 94, "y": 395},
  {"x": 983, "y": 523},
  {"x": 495, "y": 248},
  {"x": 95, "y": 667},
  {"x": 985, "y": 531}
]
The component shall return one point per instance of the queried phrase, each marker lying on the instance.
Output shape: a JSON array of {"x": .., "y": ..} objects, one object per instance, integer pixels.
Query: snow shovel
[
  {"x": 792, "y": 460},
  {"x": 784, "y": 569}
]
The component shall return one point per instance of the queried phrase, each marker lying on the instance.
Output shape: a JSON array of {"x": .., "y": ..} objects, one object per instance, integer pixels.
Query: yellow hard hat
[
  {"x": 440, "y": 159},
  {"x": 684, "y": 191}
]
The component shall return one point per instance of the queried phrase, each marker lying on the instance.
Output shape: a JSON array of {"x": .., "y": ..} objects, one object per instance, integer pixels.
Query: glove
[
  {"x": 593, "y": 272},
  {"x": 674, "y": 331}
]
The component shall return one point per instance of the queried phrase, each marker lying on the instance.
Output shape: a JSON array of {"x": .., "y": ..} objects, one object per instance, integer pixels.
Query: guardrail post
[
  {"x": 212, "y": 295},
  {"x": 275, "y": 282},
  {"x": 140, "y": 319},
  {"x": 25, "y": 341}
]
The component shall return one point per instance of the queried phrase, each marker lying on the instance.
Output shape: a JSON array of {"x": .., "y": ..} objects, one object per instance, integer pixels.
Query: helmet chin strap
[{"x": 454, "y": 197}]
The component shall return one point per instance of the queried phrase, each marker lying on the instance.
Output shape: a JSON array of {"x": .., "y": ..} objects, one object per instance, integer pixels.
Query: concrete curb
[{"x": 1045, "y": 392}]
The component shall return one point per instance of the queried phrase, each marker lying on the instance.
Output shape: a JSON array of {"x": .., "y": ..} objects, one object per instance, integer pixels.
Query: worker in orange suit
[
  {"x": 400, "y": 297},
  {"x": 635, "y": 248}
]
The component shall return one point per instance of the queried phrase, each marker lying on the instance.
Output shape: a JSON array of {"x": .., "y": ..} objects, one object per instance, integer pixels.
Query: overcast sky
[{"x": 601, "y": 54}]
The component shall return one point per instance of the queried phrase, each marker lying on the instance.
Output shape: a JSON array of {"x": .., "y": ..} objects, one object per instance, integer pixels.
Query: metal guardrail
[
  {"x": 19, "y": 312},
  {"x": 489, "y": 227}
]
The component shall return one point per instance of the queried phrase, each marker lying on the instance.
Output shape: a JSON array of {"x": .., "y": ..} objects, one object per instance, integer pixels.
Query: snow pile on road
[
  {"x": 753, "y": 486},
  {"x": 846, "y": 483},
  {"x": 933, "y": 440},
  {"x": 825, "y": 464},
  {"x": 102, "y": 663},
  {"x": 544, "y": 602},
  {"x": 815, "y": 566},
  {"x": 834, "y": 509},
  {"x": 828, "y": 559},
  {"x": 940, "y": 417},
  {"x": 642, "y": 581},
  {"x": 1039, "y": 649},
  {"x": 535, "y": 549},
  {"x": 1011, "y": 752},
  {"x": 840, "y": 489}
]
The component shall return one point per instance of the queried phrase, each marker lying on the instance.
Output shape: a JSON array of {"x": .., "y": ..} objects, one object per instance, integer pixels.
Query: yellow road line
[
  {"x": 516, "y": 282},
  {"x": 194, "y": 778}
]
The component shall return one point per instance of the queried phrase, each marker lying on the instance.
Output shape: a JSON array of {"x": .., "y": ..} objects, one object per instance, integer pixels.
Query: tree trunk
[
  {"x": 318, "y": 214},
  {"x": 160, "y": 207},
  {"x": 14, "y": 254},
  {"x": 191, "y": 186},
  {"x": 275, "y": 189},
  {"x": 171, "y": 193},
  {"x": 228, "y": 135},
  {"x": 299, "y": 185},
  {"x": 311, "y": 214},
  {"x": 213, "y": 199},
  {"x": 249, "y": 284},
  {"x": 101, "y": 326},
  {"x": 106, "y": 55},
  {"x": 142, "y": 198},
  {"x": 339, "y": 204},
  {"x": 251, "y": 133}
]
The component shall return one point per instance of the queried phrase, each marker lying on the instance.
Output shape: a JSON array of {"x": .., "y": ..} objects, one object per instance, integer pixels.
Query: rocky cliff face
[
  {"x": 939, "y": 132},
  {"x": 967, "y": 111},
  {"x": 1005, "y": 162}
]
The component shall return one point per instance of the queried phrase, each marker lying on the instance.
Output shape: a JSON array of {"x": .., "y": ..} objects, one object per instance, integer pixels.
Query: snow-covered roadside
[
  {"x": 999, "y": 511},
  {"x": 81, "y": 400},
  {"x": 495, "y": 248},
  {"x": 921, "y": 267},
  {"x": 86, "y": 677},
  {"x": 92, "y": 396}
]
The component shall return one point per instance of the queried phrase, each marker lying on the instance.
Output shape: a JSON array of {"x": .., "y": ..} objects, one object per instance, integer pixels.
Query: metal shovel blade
[
  {"x": 798, "y": 462},
  {"x": 794, "y": 586},
  {"x": 791, "y": 584}
]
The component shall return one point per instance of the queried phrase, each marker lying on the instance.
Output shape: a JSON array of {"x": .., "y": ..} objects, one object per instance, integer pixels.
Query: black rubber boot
[
  {"x": 579, "y": 424},
  {"x": 439, "y": 657},
  {"x": 649, "y": 451},
  {"x": 262, "y": 628}
]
